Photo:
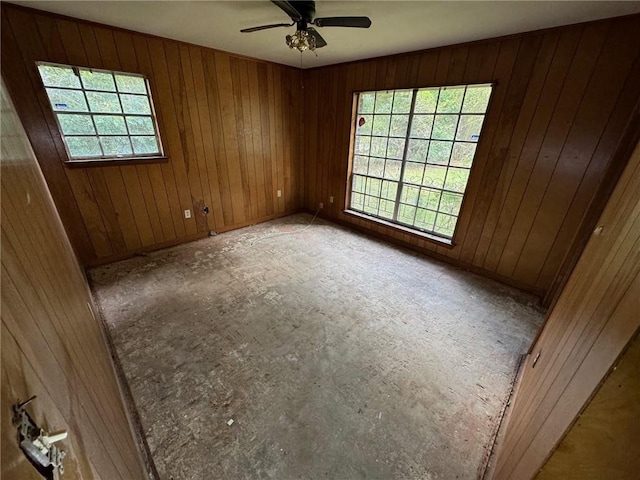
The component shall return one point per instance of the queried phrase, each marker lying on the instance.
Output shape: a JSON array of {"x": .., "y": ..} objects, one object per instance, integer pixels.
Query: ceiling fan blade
[
  {"x": 357, "y": 22},
  {"x": 289, "y": 9},
  {"x": 320, "y": 42},
  {"x": 265, "y": 27}
]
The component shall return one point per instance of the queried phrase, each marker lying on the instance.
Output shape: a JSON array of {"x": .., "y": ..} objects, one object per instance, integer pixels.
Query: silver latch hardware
[{"x": 37, "y": 444}]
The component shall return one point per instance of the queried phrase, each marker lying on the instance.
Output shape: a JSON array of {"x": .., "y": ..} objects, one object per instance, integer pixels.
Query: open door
[
  {"x": 53, "y": 348},
  {"x": 593, "y": 320}
]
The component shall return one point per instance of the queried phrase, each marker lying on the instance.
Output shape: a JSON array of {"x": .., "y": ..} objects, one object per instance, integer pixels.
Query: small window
[
  {"x": 412, "y": 154},
  {"x": 102, "y": 115}
]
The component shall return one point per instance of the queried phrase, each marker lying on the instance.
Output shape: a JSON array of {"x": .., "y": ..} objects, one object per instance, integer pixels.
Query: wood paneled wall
[
  {"x": 604, "y": 442},
  {"x": 230, "y": 127},
  {"x": 594, "y": 319},
  {"x": 52, "y": 345},
  {"x": 562, "y": 100}
]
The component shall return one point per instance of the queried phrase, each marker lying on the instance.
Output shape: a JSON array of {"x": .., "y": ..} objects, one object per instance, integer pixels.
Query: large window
[
  {"x": 413, "y": 150},
  {"x": 102, "y": 115}
]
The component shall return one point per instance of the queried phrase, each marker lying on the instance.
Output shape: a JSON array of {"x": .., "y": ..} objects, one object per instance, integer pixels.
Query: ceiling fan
[{"x": 303, "y": 14}]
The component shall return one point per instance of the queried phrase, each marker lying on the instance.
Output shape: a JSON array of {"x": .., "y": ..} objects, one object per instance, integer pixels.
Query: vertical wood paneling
[
  {"x": 553, "y": 124},
  {"x": 230, "y": 127},
  {"x": 594, "y": 318},
  {"x": 604, "y": 442},
  {"x": 52, "y": 346}
]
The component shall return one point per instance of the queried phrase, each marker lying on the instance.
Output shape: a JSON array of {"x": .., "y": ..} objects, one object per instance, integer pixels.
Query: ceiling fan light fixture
[{"x": 301, "y": 40}]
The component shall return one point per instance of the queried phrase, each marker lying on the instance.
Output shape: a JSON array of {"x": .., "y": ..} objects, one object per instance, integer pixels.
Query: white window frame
[
  {"x": 106, "y": 157},
  {"x": 401, "y": 183}
]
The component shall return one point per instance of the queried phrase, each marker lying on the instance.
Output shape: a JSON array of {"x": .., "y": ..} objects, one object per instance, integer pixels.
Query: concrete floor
[{"x": 337, "y": 356}]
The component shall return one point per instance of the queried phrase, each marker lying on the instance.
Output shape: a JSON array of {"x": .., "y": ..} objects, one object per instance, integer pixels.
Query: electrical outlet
[
  {"x": 321, "y": 206},
  {"x": 187, "y": 214},
  {"x": 331, "y": 199},
  {"x": 279, "y": 193}
]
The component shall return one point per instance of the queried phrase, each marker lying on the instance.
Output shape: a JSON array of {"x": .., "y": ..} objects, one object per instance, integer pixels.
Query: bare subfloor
[{"x": 337, "y": 356}]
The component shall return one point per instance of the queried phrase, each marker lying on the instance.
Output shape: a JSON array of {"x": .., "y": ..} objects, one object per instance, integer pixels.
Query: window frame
[
  {"x": 127, "y": 159},
  {"x": 439, "y": 239}
]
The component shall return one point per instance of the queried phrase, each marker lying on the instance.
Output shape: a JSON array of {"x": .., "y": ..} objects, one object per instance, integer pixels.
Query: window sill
[
  {"x": 114, "y": 161},
  {"x": 440, "y": 241}
]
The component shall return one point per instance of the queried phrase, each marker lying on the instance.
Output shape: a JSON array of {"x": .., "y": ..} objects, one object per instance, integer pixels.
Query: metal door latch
[{"x": 37, "y": 444}]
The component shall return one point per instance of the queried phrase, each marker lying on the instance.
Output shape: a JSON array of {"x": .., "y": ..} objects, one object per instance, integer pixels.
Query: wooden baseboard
[
  {"x": 177, "y": 241},
  {"x": 452, "y": 261}
]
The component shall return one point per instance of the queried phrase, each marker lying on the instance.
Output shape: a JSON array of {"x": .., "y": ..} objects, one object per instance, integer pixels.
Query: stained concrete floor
[{"x": 337, "y": 356}]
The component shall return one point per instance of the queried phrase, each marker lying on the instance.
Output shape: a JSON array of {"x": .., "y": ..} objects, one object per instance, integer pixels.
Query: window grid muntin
[
  {"x": 151, "y": 115},
  {"x": 440, "y": 214}
]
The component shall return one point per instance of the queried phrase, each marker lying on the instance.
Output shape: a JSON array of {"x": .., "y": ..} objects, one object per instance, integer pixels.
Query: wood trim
[
  {"x": 115, "y": 161},
  {"x": 186, "y": 239},
  {"x": 433, "y": 254}
]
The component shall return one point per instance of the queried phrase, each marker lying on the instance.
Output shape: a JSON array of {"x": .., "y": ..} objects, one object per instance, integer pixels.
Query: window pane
[
  {"x": 97, "y": 80},
  {"x": 469, "y": 128},
  {"x": 450, "y": 100},
  {"x": 406, "y": 213},
  {"x": 371, "y": 205},
  {"x": 362, "y": 145},
  {"x": 410, "y": 195},
  {"x": 444, "y": 127},
  {"x": 386, "y": 209},
  {"x": 450, "y": 203},
  {"x": 425, "y": 219},
  {"x": 413, "y": 173},
  {"x": 426, "y": 100},
  {"x": 429, "y": 198},
  {"x": 364, "y": 125},
  {"x": 135, "y": 104},
  {"x": 457, "y": 179},
  {"x": 434, "y": 176},
  {"x": 381, "y": 125},
  {"x": 402, "y": 101},
  {"x": 360, "y": 164},
  {"x": 439, "y": 152},
  {"x": 140, "y": 126},
  {"x": 476, "y": 99},
  {"x": 116, "y": 145},
  {"x": 55, "y": 76},
  {"x": 103, "y": 102},
  {"x": 376, "y": 167},
  {"x": 421, "y": 126},
  {"x": 378, "y": 146},
  {"x": 357, "y": 201},
  {"x": 131, "y": 84},
  {"x": 395, "y": 148},
  {"x": 417, "y": 151},
  {"x": 359, "y": 182},
  {"x": 76, "y": 124},
  {"x": 384, "y": 101},
  {"x": 67, "y": 100},
  {"x": 392, "y": 169},
  {"x": 83, "y": 147},
  {"x": 399, "y": 125},
  {"x": 445, "y": 224},
  {"x": 462, "y": 155},
  {"x": 110, "y": 124},
  {"x": 373, "y": 187},
  {"x": 145, "y": 145},
  {"x": 366, "y": 102},
  {"x": 389, "y": 190}
]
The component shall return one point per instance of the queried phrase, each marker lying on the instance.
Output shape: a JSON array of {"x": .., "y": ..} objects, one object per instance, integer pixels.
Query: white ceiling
[{"x": 398, "y": 26}]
